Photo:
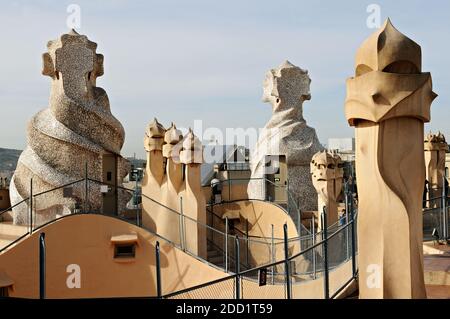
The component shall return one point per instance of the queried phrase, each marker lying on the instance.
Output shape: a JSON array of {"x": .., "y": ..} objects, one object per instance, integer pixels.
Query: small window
[
  {"x": 125, "y": 251},
  {"x": 109, "y": 176},
  {"x": 1, "y": 197}
]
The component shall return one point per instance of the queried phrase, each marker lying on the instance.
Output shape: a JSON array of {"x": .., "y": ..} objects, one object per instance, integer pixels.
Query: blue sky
[{"x": 188, "y": 60}]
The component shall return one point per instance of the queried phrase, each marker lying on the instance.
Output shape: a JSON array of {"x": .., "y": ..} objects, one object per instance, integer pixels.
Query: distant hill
[{"x": 8, "y": 161}]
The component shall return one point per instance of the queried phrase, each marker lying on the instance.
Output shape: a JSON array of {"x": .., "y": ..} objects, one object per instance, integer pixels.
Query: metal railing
[
  {"x": 436, "y": 221},
  {"x": 220, "y": 239},
  {"x": 265, "y": 249},
  {"x": 436, "y": 209},
  {"x": 286, "y": 276},
  {"x": 336, "y": 246},
  {"x": 284, "y": 280},
  {"x": 236, "y": 166},
  {"x": 85, "y": 195},
  {"x": 292, "y": 207}
]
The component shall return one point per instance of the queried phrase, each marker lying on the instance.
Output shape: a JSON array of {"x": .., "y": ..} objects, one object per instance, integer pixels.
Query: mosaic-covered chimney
[
  {"x": 76, "y": 128},
  {"x": 286, "y": 144}
]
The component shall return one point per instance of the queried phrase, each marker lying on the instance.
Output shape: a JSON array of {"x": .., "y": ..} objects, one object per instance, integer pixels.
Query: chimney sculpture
[
  {"x": 327, "y": 176},
  {"x": 388, "y": 102},
  {"x": 287, "y": 135},
  {"x": 173, "y": 202},
  {"x": 435, "y": 149},
  {"x": 77, "y": 128}
]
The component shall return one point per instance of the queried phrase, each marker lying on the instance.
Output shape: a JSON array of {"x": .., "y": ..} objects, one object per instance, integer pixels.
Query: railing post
[
  {"x": 42, "y": 266},
  {"x": 313, "y": 231},
  {"x": 229, "y": 186},
  {"x": 286, "y": 263},
  {"x": 264, "y": 188},
  {"x": 136, "y": 204},
  {"x": 299, "y": 227},
  {"x": 287, "y": 196},
  {"x": 86, "y": 188},
  {"x": 273, "y": 256},
  {"x": 182, "y": 234},
  {"x": 444, "y": 211},
  {"x": 246, "y": 233},
  {"x": 30, "y": 206},
  {"x": 325, "y": 254},
  {"x": 353, "y": 239},
  {"x": 226, "y": 244},
  {"x": 158, "y": 270},
  {"x": 346, "y": 191},
  {"x": 237, "y": 268}
]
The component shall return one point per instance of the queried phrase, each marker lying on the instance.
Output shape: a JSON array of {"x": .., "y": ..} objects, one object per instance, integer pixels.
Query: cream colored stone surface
[
  {"x": 327, "y": 176},
  {"x": 172, "y": 184},
  {"x": 77, "y": 127},
  {"x": 286, "y": 133},
  {"x": 388, "y": 102}
]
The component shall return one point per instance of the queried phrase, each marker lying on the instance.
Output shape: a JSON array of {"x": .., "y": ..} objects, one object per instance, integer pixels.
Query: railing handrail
[
  {"x": 229, "y": 180},
  {"x": 340, "y": 289},
  {"x": 265, "y": 266},
  {"x": 221, "y": 249},
  {"x": 254, "y": 239},
  {"x": 243, "y": 273},
  {"x": 143, "y": 195},
  {"x": 290, "y": 196},
  {"x": 131, "y": 190},
  {"x": 13, "y": 206},
  {"x": 240, "y": 273},
  {"x": 58, "y": 187},
  {"x": 184, "y": 215},
  {"x": 299, "y": 237},
  {"x": 209, "y": 283}
]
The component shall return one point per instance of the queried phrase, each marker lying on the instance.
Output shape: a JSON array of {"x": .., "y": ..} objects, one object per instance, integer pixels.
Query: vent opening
[{"x": 125, "y": 250}]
